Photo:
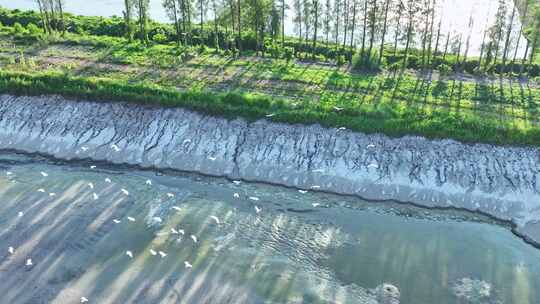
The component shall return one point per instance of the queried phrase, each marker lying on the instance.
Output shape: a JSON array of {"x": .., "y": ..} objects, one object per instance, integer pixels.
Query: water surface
[{"x": 299, "y": 248}]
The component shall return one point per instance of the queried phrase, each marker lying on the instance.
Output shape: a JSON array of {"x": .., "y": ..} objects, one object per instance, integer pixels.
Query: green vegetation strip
[{"x": 386, "y": 118}]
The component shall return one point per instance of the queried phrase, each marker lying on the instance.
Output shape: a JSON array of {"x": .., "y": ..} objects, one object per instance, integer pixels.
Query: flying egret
[
  {"x": 212, "y": 158},
  {"x": 116, "y": 221},
  {"x": 236, "y": 182},
  {"x": 95, "y": 196},
  {"x": 21, "y": 214},
  {"x": 91, "y": 185},
  {"x": 115, "y": 148},
  {"x": 124, "y": 191},
  {"x": 194, "y": 238},
  {"x": 302, "y": 191},
  {"x": 170, "y": 194},
  {"x": 11, "y": 250},
  {"x": 107, "y": 180},
  {"x": 315, "y": 187},
  {"x": 370, "y": 146},
  {"x": 338, "y": 108},
  {"x": 84, "y": 148},
  {"x": 342, "y": 129},
  {"x": 373, "y": 166},
  {"x": 129, "y": 254},
  {"x": 153, "y": 252},
  {"x": 253, "y": 198},
  {"x": 236, "y": 195},
  {"x": 181, "y": 231},
  {"x": 148, "y": 182},
  {"x": 92, "y": 167},
  {"x": 131, "y": 219},
  {"x": 29, "y": 262},
  {"x": 41, "y": 190},
  {"x": 176, "y": 208},
  {"x": 187, "y": 141},
  {"x": 9, "y": 173},
  {"x": 52, "y": 194},
  {"x": 44, "y": 174},
  {"x": 257, "y": 209},
  {"x": 270, "y": 115},
  {"x": 315, "y": 205},
  {"x": 162, "y": 254},
  {"x": 84, "y": 300},
  {"x": 174, "y": 231},
  {"x": 187, "y": 264},
  {"x": 215, "y": 218}
]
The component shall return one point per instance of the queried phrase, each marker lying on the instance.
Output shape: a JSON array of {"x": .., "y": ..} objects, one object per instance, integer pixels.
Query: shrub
[
  {"x": 368, "y": 62},
  {"x": 444, "y": 69}
]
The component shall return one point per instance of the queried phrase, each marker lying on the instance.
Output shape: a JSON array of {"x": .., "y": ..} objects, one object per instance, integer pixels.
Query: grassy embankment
[{"x": 110, "y": 69}]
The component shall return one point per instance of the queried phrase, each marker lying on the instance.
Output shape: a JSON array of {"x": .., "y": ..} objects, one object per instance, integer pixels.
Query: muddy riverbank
[{"x": 503, "y": 182}]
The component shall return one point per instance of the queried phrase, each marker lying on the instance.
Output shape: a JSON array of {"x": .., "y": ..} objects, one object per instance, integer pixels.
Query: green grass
[{"x": 388, "y": 118}]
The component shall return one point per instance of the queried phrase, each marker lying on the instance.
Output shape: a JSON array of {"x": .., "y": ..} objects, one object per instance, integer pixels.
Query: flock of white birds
[{"x": 130, "y": 254}]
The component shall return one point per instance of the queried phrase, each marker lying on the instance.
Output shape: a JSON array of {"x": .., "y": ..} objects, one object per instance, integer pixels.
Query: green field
[{"x": 395, "y": 103}]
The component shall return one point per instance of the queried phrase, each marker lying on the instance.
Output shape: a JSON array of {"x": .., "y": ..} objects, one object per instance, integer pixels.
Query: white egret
[
  {"x": 181, "y": 231},
  {"x": 44, "y": 174},
  {"x": 270, "y": 115},
  {"x": 315, "y": 187},
  {"x": 176, "y": 208},
  {"x": 91, "y": 185},
  {"x": 41, "y": 190},
  {"x": 129, "y": 254},
  {"x": 370, "y": 146},
  {"x": 131, "y": 219},
  {"x": 92, "y": 167},
  {"x": 342, "y": 129},
  {"x": 194, "y": 238},
  {"x": 124, "y": 191},
  {"x": 115, "y": 148},
  {"x": 187, "y": 264},
  {"x": 187, "y": 141},
  {"x": 302, "y": 191},
  {"x": 212, "y": 158},
  {"x": 21, "y": 214},
  {"x": 84, "y": 300},
  {"x": 95, "y": 196},
  {"x": 52, "y": 194},
  {"x": 215, "y": 218},
  {"x": 148, "y": 182},
  {"x": 236, "y": 182},
  {"x": 174, "y": 231},
  {"x": 84, "y": 148},
  {"x": 338, "y": 108},
  {"x": 236, "y": 195},
  {"x": 29, "y": 262},
  {"x": 162, "y": 254},
  {"x": 257, "y": 209},
  {"x": 11, "y": 250},
  {"x": 157, "y": 219},
  {"x": 170, "y": 195},
  {"x": 9, "y": 173},
  {"x": 253, "y": 198},
  {"x": 315, "y": 205},
  {"x": 116, "y": 221},
  {"x": 153, "y": 252},
  {"x": 108, "y": 180}
]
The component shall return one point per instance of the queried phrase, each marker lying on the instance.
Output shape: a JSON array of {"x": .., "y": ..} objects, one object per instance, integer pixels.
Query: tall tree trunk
[
  {"x": 446, "y": 46},
  {"x": 468, "y": 42},
  {"x": 363, "y": 50},
  {"x": 316, "y": 25},
  {"x": 381, "y": 50},
  {"x": 346, "y": 23},
  {"x": 353, "y": 24},
  {"x": 430, "y": 41},
  {"x": 239, "y": 15},
  {"x": 507, "y": 41},
  {"x": 283, "y": 23},
  {"x": 44, "y": 18},
  {"x": 438, "y": 39},
  {"x": 407, "y": 44},
  {"x": 372, "y": 28},
  {"x": 396, "y": 36}
]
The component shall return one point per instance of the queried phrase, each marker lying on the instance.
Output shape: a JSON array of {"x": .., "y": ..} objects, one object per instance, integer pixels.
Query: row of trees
[{"x": 370, "y": 28}]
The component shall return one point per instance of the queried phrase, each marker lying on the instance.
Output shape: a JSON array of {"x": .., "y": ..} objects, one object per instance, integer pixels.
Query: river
[
  {"x": 77, "y": 221},
  {"x": 454, "y": 16}
]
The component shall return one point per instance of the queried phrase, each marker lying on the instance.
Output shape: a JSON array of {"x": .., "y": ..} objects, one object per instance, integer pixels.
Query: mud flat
[{"x": 502, "y": 182}]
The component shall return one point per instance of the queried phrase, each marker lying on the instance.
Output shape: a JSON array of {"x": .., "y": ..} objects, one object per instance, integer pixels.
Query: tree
[
  {"x": 383, "y": 34},
  {"x": 315, "y": 25},
  {"x": 400, "y": 7},
  {"x": 411, "y": 10},
  {"x": 283, "y": 7},
  {"x": 372, "y": 23},
  {"x": 128, "y": 15},
  {"x": 327, "y": 16},
  {"x": 142, "y": 11},
  {"x": 495, "y": 33},
  {"x": 44, "y": 16},
  {"x": 508, "y": 34},
  {"x": 171, "y": 11}
]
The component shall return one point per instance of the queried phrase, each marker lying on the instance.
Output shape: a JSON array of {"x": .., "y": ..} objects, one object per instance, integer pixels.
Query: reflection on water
[
  {"x": 295, "y": 248},
  {"x": 454, "y": 16}
]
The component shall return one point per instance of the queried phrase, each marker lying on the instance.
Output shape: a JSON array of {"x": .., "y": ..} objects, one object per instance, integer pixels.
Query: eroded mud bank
[{"x": 500, "y": 181}]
